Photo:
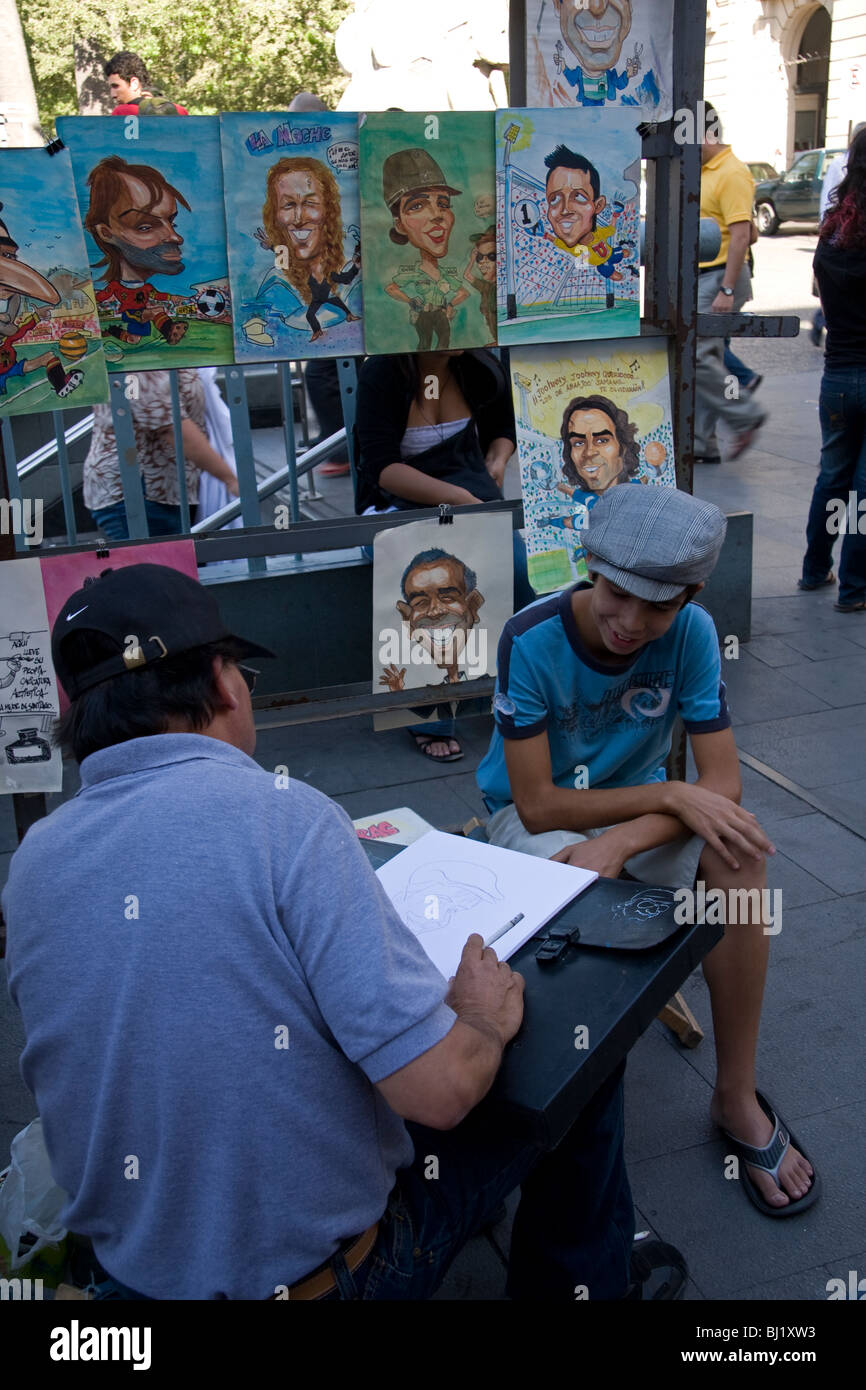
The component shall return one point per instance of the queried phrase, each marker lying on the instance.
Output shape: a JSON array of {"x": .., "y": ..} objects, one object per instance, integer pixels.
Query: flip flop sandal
[
  {"x": 769, "y": 1158},
  {"x": 822, "y": 583},
  {"x": 434, "y": 738},
  {"x": 658, "y": 1272}
]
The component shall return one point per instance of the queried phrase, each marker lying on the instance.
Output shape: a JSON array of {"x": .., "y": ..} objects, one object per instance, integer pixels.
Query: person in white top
[{"x": 836, "y": 171}]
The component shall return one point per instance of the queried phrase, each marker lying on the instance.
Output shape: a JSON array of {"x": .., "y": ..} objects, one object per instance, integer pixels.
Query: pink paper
[{"x": 63, "y": 574}]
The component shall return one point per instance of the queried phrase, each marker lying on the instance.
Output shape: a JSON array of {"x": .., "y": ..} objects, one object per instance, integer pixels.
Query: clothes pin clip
[
  {"x": 54, "y": 146},
  {"x": 446, "y": 516}
]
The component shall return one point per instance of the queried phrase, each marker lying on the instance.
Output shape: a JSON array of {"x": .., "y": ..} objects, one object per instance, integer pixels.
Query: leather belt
[{"x": 322, "y": 1281}]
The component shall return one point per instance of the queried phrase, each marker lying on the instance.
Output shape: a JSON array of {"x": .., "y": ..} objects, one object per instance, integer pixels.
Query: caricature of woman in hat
[{"x": 419, "y": 200}]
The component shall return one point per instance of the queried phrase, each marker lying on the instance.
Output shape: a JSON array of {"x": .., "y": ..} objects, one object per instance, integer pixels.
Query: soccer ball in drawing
[
  {"x": 541, "y": 474},
  {"x": 73, "y": 345},
  {"x": 210, "y": 303},
  {"x": 527, "y": 217}
]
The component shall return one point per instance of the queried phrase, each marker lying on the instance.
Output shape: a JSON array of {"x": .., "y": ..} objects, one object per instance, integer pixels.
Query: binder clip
[
  {"x": 55, "y": 146},
  {"x": 556, "y": 943},
  {"x": 446, "y": 516},
  {"x": 102, "y": 550}
]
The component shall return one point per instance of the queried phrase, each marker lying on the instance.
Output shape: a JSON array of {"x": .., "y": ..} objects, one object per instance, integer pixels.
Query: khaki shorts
[{"x": 674, "y": 865}]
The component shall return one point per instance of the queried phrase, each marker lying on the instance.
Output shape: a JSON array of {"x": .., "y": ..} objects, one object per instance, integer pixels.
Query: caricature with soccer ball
[
  {"x": 152, "y": 205},
  {"x": 131, "y": 217},
  {"x": 211, "y": 303}
]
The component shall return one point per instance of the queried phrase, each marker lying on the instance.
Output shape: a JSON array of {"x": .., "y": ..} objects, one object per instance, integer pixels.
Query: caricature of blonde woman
[{"x": 302, "y": 217}]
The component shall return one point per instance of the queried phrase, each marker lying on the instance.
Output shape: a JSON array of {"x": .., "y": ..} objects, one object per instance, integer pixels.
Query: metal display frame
[
  {"x": 672, "y": 221},
  {"x": 673, "y": 172}
]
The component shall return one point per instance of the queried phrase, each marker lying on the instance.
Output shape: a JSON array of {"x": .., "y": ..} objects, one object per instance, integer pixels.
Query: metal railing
[
  {"x": 47, "y": 451},
  {"x": 252, "y": 490}
]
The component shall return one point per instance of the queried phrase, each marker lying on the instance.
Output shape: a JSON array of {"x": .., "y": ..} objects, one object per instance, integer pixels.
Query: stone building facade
[{"x": 786, "y": 75}]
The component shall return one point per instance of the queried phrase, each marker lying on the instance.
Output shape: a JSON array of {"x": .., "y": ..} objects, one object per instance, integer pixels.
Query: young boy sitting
[{"x": 590, "y": 682}]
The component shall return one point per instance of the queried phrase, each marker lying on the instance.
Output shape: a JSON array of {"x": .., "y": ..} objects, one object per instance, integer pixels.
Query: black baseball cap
[{"x": 149, "y": 612}]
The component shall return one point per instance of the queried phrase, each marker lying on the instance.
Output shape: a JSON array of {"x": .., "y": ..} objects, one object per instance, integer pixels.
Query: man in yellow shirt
[{"x": 724, "y": 285}]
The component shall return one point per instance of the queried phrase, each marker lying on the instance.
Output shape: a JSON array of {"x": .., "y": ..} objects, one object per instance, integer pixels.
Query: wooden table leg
[{"x": 677, "y": 1016}]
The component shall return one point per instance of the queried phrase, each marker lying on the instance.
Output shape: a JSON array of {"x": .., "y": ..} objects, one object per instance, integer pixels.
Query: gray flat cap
[{"x": 653, "y": 541}]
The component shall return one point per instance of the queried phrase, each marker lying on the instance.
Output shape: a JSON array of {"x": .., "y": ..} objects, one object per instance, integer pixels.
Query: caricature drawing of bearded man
[{"x": 131, "y": 217}]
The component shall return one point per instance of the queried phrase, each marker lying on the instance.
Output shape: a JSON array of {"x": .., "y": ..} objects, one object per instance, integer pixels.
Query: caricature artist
[{"x": 384, "y": 1062}]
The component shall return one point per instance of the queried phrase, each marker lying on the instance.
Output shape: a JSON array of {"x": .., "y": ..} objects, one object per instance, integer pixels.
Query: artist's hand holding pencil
[{"x": 486, "y": 993}]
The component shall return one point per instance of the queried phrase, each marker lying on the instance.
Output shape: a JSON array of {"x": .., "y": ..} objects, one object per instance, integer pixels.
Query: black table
[
  {"x": 614, "y": 994},
  {"x": 545, "y": 1080}
]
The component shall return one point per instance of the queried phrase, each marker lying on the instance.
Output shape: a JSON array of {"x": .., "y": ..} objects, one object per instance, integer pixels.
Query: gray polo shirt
[{"x": 210, "y": 979}]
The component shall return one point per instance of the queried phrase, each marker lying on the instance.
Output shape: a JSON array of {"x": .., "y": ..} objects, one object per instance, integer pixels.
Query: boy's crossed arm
[{"x": 641, "y": 817}]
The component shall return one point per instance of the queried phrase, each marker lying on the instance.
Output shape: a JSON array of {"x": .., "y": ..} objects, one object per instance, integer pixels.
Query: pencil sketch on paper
[{"x": 437, "y": 896}]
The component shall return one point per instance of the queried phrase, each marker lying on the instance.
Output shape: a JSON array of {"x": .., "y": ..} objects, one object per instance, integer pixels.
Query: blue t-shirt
[
  {"x": 211, "y": 978},
  {"x": 616, "y": 721}
]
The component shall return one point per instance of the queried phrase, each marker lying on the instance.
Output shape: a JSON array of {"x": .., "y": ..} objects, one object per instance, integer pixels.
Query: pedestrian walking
[
  {"x": 727, "y": 194},
  {"x": 836, "y": 171},
  {"x": 840, "y": 489}
]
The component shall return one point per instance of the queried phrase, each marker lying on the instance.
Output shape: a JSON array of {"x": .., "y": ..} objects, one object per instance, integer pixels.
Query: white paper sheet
[
  {"x": 28, "y": 686},
  {"x": 445, "y": 887}
]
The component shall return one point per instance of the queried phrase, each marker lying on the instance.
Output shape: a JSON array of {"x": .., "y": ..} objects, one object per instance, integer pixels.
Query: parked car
[
  {"x": 761, "y": 171},
  {"x": 795, "y": 195}
]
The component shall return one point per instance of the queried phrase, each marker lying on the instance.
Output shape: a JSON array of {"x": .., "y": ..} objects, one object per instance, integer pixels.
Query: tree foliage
[{"x": 210, "y": 55}]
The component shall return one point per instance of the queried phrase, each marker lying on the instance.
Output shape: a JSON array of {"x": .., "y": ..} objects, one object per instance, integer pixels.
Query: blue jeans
[
  {"x": 162, "y": 520},
  {"x": 574, "y": 1226},
  {"x": 736, "y": 366},
  {"x": 842, "y": 412}
]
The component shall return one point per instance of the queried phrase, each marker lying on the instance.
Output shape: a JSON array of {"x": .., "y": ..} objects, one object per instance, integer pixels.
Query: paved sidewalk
[{"x": 798, "y": 697}]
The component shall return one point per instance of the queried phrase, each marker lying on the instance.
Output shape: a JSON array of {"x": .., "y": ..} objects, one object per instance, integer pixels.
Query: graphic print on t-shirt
[{"x": 638, "y": 700}]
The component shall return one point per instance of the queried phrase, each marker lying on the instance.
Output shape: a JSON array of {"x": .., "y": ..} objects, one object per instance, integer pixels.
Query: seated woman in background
[{"x": 436, "y": 427}]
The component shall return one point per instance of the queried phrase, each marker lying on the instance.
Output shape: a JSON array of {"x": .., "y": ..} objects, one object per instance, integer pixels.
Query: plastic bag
[{"x": 30, "y": 1200}]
